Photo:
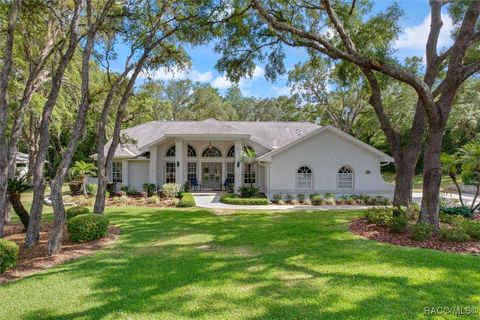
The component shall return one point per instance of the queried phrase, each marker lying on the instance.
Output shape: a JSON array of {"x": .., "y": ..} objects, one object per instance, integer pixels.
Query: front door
[{"x": 212, "y": 175}]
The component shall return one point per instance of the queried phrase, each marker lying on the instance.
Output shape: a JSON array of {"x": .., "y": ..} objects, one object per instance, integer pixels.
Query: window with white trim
[
  {"x": 211, "y": 151},
  {"x": 304, "y": 178},
  {"x": 345, "y": 178},
  {"x": 231, "y": 171},
  {"x": 170, "y": 152},
  {"x": 231, "y": 152},
  {"x": 249, "y": 178},
  {"x": 191, "y": 171},
  {"x": 170, "y": 172},
  {"x": 191, "y": 152},
  {"x": 117, "y": 171}
]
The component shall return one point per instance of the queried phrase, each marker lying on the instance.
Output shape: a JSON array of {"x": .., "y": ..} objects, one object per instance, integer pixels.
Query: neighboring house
[
  {"x": 21, "y": 164},
  {"x": 292, "y": 157}
]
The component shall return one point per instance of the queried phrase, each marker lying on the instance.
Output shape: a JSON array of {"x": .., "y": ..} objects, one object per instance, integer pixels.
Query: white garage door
[{"x": 137, "y": 174}]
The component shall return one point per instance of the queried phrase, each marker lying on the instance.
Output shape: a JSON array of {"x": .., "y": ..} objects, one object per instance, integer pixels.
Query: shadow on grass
[{"x": 192, "y": 264}]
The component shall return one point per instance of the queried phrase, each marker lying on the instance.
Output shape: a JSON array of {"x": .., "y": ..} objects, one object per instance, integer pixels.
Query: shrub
[
  {"x": 170, "y": 190},
  {"x": 316, "y": 200},
  {"x": 413, "y": 211},
  {"x": 453, "y": 220},
  {"x": 459, "y": 210},
  {"x": 288, "y": 198},
  {"x": 121, "y": 200},
  {"x": 276, "y": 198},
  {"x": 294, "y": 202},
  {"x": 342, "y": 200},
  {"x": 9, "y": 252},
  {"x": 329, "y": 199},
  {"x": 187, "y": 186},
  {"x": 230, "y": 198},
  {"x": 124, "y": 189},
  {"x": 150, "y": 188},
  {"x": 92, "y": 188},
  {"x": 351, "y": 201},
  {"x": 379, "y": 215},
  {"x": 472, "y": 228},
  {"x": 155, "y": 200},
  {"x": 301, "y": 197},
  {"x": 421, "y": 231},
  {"x": 186, "y": 200},
  {"x": 313, "y": 195},
  {"x": 454, "y": 235},
  {"x": 76, "y": 211},
  {"x": 87, "y": 227},
  {"x": 248, "y": 192},
  {"x": 132, "y": 191},
  {"x": 307, "y": 202},
  {"x": 398, "y": 223}
]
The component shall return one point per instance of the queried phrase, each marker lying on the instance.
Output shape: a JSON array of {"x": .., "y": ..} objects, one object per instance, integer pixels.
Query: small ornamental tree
[
  {"x": 17, "y": 186},
  {"x": 466, "y": 163},
  {"x": 80, "y": 169},
  {"x": 249, "y": 157}
]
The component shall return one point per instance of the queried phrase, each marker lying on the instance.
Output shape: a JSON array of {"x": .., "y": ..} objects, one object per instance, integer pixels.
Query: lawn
[
  {"x": 418, "y": 180},
  {"x": 172, "y": 264}
]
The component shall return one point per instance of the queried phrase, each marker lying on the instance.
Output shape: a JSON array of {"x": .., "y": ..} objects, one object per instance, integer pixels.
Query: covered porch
[{"x": 207, "y": 163}]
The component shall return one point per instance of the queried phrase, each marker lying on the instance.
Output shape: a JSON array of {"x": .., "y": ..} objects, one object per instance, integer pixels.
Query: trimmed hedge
[
  {"x": 186, "y": 200},
  {"x": 76, "y": 211},
  {"x": 9, "y": 251},
  {"x": 230, "y": 198},
  {"x": 87, "y": 227},
  {"x": 472, "y": 228}
]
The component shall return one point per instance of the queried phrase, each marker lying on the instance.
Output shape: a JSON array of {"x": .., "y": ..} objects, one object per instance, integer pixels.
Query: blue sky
[{"x": 411, "y": 42}]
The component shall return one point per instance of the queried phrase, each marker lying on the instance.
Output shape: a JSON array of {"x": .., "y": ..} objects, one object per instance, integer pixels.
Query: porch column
[
  {"x": 124, "y": 172},
  {"x": 152, "y": 175},
  {"x": 238, "y": 164},
  {"x": 179, "y": 162}
]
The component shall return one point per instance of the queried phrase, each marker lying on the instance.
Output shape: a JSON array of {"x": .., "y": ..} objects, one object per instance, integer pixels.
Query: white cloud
[
  {"x": 176, "y": 74},
  {"x": 222, "y": 82},
  {"x": 281, "y": 91},
  {"x": 415, "y": 37}
]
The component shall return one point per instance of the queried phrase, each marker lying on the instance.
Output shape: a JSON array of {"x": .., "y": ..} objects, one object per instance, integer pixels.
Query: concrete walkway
[{"x": 211, "y": 200}]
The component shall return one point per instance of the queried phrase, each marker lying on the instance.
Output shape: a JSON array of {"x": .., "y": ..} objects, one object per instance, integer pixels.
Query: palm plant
[
  {"x": 16, "y": 186},
  {"x": 80, "y": 169},
  {"x": 249, "y": 157},
  {"x": 450, "y": 166},
  {"x": 468, "y": 159}
]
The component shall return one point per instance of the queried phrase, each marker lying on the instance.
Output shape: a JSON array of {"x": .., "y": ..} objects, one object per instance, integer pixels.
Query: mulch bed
[
  {"x": 130, "y": 200},
  {"x": 36, "y": 259},
  {"x": 368, "y": 230}
]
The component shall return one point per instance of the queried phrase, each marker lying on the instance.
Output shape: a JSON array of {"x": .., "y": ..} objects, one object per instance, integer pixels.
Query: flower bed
[{"x": 231, "y": 198}]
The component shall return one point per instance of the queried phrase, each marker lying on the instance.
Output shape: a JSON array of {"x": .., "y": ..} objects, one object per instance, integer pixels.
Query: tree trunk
[
  {"x": 101, "y": 190},
  {"x": 20, "y": 211},
  {"x": 33, "y": 231},
  {"x": 56, "y": 236},
  {"x": 13, "y": 16},
  {"x": 432, "y": 177}
]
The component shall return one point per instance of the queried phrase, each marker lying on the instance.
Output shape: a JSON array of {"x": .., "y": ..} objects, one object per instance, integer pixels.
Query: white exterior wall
[
  {"x": 325, "y": 153},
  {"x": 137, "y": 174}
]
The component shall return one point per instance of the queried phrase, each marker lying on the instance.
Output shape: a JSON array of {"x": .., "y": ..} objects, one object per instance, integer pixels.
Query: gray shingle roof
[{"x": 272, "y": 135}]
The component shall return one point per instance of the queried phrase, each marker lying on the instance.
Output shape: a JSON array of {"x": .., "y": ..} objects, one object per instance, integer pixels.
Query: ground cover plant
[{"x": 179, "y": 263}]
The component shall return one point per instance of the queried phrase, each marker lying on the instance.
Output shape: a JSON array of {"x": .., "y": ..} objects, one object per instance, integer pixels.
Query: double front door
[{"x": 212, "y": 175}]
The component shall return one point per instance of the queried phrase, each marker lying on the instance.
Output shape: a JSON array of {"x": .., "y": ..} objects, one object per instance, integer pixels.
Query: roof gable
[{"x": 383, "y": 156}]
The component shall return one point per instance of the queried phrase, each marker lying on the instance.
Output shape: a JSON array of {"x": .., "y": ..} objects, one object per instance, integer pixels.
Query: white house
[
  {"x": 292, "y": 157},
  {"x": 21, "y": 163}
]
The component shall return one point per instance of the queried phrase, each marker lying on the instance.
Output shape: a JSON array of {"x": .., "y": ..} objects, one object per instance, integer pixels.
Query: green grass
[
  {"x": 418, "y": 180},
  {"x": 191, "y": 264}
]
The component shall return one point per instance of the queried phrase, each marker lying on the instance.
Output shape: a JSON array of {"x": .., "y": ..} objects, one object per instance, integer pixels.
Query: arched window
[
  {"x": 231, "y": 152},
  {"x": 211, "y": 151},
  {"x": 345, "y": 178},
  {"x": 170, "y": 152},
  {"x": 304, "y": 178},
  {"x": 191, "y": 152}
]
